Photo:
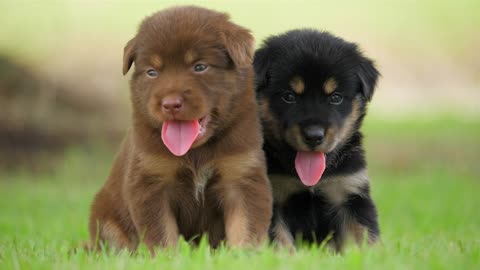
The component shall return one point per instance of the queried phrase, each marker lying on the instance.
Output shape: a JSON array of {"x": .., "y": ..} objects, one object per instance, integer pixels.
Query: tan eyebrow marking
[
  {"x": 156, "y": 61},
  {"x": 297, "y": 84},
  {"x": 189, "y": 57},
  {"x": 330, "y": 86}
]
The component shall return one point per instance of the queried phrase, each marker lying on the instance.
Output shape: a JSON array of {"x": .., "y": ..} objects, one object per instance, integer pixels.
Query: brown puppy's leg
[
  {"x": 152, "y": 214},
  {"x": 111, "y": 232},
  {"x": 105, "y": 227},
  {"x": 236, "y": 221},
  {"x": 216, "y": 228},
  {"x": 248, "y": 211}
]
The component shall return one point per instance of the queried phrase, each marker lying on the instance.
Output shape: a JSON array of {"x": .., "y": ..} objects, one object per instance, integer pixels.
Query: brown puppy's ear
[
  {"x": 240, "y": 44},
  {"x": 129, "y": 55}
]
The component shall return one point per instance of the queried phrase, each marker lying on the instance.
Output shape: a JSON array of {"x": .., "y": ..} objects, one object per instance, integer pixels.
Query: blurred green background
[
  {"x": 64, "y": 108},
  {"x": 60, "y": 61}
]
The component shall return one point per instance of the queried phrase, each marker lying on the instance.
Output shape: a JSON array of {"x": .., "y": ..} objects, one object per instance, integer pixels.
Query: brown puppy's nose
[{"x": 172, "y": 104}]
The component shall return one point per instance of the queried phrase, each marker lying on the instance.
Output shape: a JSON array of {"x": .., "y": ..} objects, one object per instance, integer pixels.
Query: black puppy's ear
[
  {"x": 262, "y": 65},
  {"x": 368, "y": 75},
  {"x": 129, "y": 55}
]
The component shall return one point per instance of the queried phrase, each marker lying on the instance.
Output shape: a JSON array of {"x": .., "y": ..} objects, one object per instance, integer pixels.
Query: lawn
[
  {"x": 425, "y": 180},
  {"x": 424, "y": 170}
]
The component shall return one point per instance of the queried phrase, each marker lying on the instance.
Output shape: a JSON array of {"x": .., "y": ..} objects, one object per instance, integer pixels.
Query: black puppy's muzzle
[{"x": 313, "y": 135}]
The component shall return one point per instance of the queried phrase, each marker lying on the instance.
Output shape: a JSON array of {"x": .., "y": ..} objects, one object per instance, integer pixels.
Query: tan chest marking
[
  {"x": 201, "y": 178},
  {"x": 166, "y": 169},
  {"x": 338, "y": 187},
  {"x": 335, "y": 188},
  {"x": 284, "y": 186}
]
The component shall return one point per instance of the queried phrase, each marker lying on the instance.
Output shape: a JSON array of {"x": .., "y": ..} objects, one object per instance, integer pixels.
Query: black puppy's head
[{"x": 313, "y": 89}]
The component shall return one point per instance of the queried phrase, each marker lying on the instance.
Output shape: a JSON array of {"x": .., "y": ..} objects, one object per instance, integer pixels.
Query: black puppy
[{"x": 313, "y": 89}]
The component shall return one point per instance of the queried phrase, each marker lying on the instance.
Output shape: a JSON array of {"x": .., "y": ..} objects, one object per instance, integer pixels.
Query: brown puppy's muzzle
[
  {"x": 177, "y": 105},
  {"x": 172, "y": 104}
]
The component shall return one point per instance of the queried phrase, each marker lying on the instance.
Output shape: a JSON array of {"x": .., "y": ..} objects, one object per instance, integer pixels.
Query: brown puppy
[{"x": 192, "y": 162}]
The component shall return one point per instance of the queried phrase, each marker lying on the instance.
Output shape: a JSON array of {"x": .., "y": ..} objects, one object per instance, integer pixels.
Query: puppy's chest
[
  {"x": 201, "y": 177},
  {"x": 335, "y": 189},
  {"x": 194, "y": 182},
  {"x": 195, "y": 200}
]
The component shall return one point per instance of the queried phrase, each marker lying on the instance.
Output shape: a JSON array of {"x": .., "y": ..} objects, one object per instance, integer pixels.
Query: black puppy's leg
[
  {"x": 364, "y": 214},
  {"x": 279, "y": 232}
]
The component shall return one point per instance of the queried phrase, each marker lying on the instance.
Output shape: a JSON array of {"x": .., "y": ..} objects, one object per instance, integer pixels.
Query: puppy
[
  {"x": 192, "y": 162},
  {"x": 313, "y": 89}
]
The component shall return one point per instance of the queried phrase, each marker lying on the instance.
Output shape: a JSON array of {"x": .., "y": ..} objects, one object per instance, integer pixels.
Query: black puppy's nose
[{"x": 313, "y": 135}]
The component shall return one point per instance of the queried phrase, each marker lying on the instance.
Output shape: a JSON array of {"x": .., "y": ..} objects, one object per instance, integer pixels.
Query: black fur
[{"x": 311, "y": 213}]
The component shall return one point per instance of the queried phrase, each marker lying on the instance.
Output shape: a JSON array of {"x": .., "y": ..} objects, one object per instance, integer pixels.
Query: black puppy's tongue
[{"x": 310, "y": 167}]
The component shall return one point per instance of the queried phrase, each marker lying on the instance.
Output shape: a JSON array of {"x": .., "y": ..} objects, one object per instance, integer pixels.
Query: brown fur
[{"x": 220, "y": 186}]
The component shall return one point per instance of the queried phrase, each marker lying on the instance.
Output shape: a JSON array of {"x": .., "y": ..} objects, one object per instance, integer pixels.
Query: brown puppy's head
[{"x": 190, "y": 64}]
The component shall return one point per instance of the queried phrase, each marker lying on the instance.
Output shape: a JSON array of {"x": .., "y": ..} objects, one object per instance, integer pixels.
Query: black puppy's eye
[
  {"x": 200, "y": 67},
  {"x": 336, "y": 99},
  {"x": 152, "y": 73},
  {"x": 289, "y": 97}
]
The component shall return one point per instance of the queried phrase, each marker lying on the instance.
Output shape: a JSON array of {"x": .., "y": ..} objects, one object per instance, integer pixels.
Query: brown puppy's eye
[
  {"x": 200, "y": 67},
  {"x": 336, "y": 99},
  {"x": 289, "y": 97},
  {"x": 152, "y": 73}
]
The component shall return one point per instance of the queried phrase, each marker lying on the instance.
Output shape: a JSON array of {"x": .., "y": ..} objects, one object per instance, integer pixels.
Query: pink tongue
[
  {"x": 310, "y": 167},
  {"x": 179, "y": 136}
]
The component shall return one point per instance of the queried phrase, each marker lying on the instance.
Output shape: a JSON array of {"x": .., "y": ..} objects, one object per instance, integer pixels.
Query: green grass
[
  {"x": 428, "y": 211},
  {"x": 425, "y": 173}
]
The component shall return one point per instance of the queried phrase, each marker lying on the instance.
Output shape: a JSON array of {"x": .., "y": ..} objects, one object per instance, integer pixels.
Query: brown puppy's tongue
[
  {"x": 310, "y": 167},
  {"x": 179, "y": 136}
]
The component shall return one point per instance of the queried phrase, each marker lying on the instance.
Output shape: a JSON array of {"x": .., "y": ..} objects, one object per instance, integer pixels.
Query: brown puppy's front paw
[
  {"x": 236, "y": 228},
  {"x": 244, "y": 231}
]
